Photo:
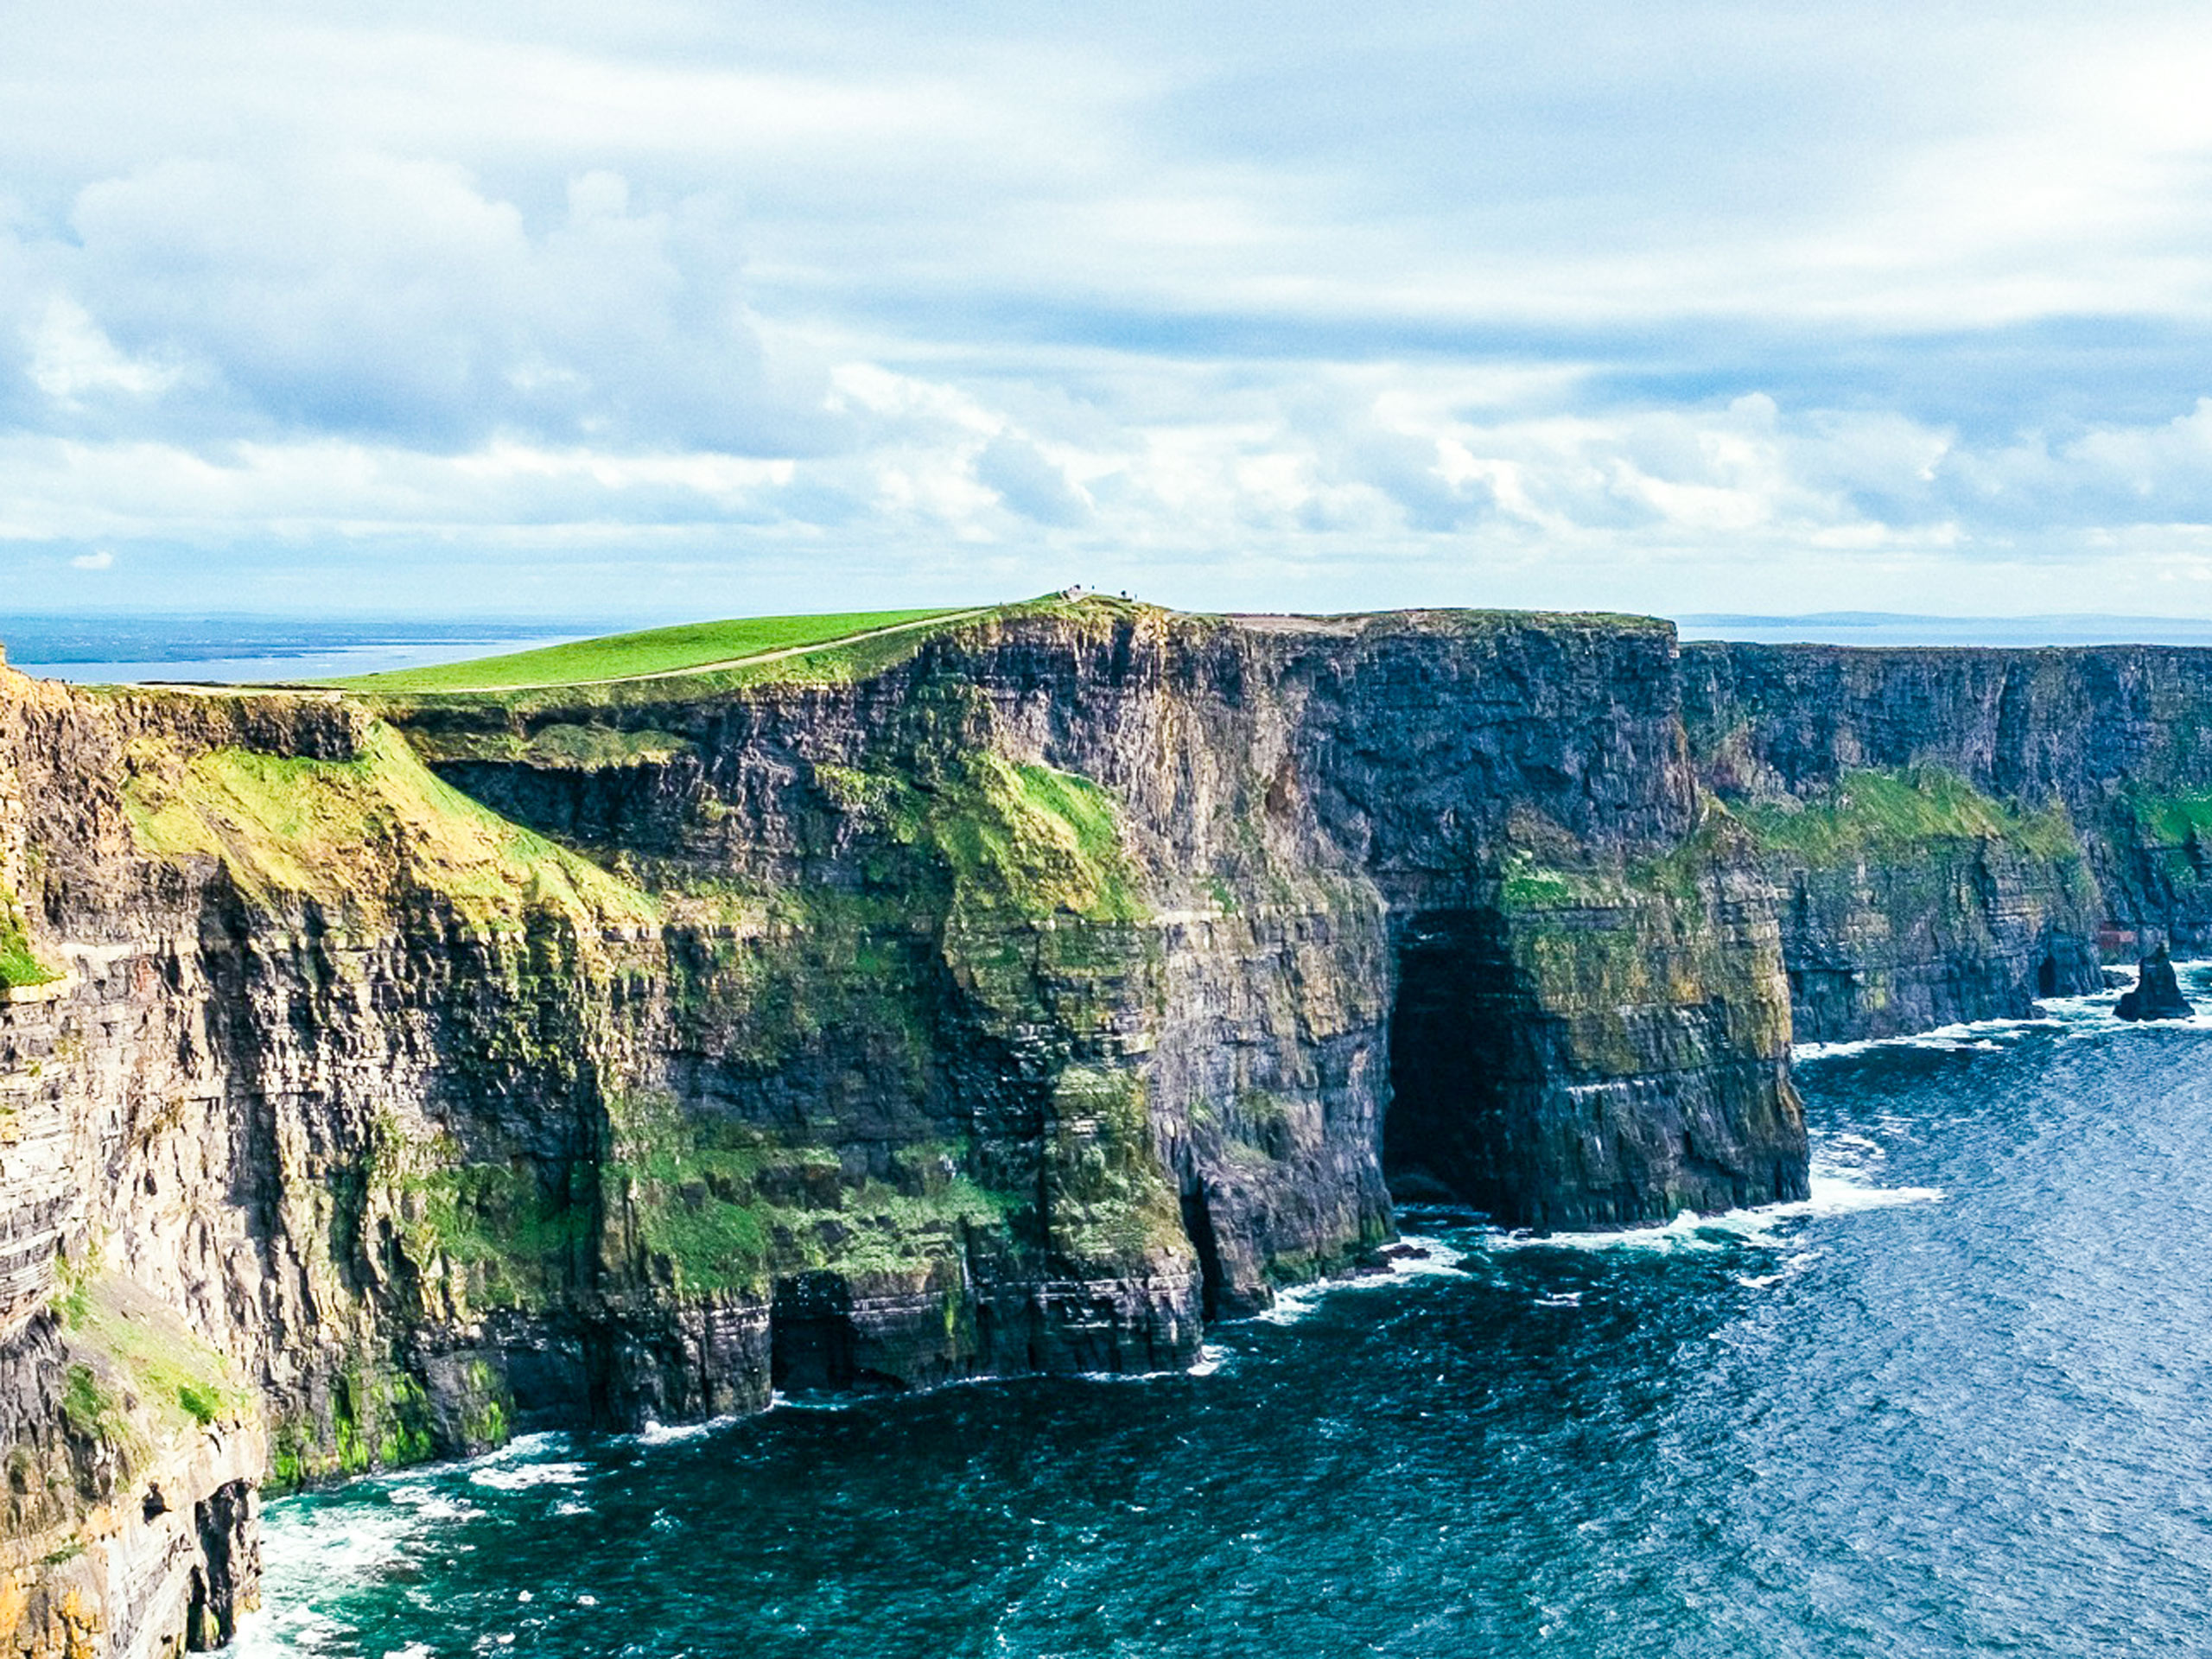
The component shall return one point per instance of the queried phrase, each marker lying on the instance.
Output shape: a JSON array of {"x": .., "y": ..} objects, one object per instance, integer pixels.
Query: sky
[{"x": 656, "y": 310}]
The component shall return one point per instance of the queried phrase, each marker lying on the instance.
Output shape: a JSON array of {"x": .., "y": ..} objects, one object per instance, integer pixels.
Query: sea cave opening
[
  {"x": 1446, "y": 1136},
  {"x": 811, "y": 1335},
  {"x": 1197, "y": 1224}
]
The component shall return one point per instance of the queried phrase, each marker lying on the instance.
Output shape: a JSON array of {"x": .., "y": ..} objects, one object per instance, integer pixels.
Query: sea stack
[{"x": 2157, "y": 995}]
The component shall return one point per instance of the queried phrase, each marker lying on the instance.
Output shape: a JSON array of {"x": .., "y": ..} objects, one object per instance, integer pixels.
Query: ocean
[{"x": 1959, "y": 1402}]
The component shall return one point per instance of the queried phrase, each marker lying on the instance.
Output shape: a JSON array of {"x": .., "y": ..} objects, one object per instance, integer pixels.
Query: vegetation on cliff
[
  {"x": 19, "y": 964},
  {"x": 1605, "y": 948},
  {"x": 358, "y": 833},
  {"x": 720, "y": 1207},
  {"x": 1010, "y": 838},
  {"x": 2176, "y": 821},
  {"x": 137, "y": 1369},
  {"x": 1873, "y": 813}
]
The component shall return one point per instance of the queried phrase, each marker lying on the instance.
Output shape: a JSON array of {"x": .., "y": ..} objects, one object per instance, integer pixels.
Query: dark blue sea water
[{"x": 1959, "y": 1403}]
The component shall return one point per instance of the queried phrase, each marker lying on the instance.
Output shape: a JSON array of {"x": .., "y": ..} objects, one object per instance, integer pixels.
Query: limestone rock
[{"x": 429, "y": 1072}]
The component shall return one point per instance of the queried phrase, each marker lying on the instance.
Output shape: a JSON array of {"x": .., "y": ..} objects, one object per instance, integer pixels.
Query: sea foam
[
  {"x": 2067, "y": 1017},
  {"x": 1834, "y": 1193},
  {"x": 1413, "y": 1257}
]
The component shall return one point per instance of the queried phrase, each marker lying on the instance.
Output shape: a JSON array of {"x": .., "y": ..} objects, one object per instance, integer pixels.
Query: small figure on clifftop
[{"x": 2157, "y": 995}]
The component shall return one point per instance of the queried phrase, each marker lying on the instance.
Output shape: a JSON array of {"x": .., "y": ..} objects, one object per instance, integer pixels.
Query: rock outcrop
[
  {"x": 377, "y": 1081},
  {"x": 2156, "y": 994}
]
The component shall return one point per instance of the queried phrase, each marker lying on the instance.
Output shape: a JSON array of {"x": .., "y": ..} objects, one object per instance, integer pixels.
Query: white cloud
[
  {"x": 103, "y": 560},
  {"x": 360, "y": 292},
  {"x": 1030, "y": 483},
  {"x": 1601, "y": 304},
  {"x": 72, "y": 358}
]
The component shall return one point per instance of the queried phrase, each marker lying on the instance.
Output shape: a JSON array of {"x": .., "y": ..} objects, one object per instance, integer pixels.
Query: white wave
[
  {"x": 284, "y": 1634},
  {"x": 1412, "y": 1257},
  {"x": 1790, "y": 1269},
  {"x": 659, "y": 1435},
  {"x": 1837, "y": 1195},
  {"x": 521, "y": 1477},
  {"x": 1988, "y": 1035},
  {"x": 1563, "y": 1299},
  {"x": 779, "y": 1402},
  {"x": 303, "y": 1543},
  {"x": 1833, "y": 1194},
  {"x": 366, "y": 1540},
  {"x": 430, "y": 1505},
  {"x": 521, "y": 1450},
  {"x": 1848, "y": 1157},
  {"x": 1209, "y": 1361}
]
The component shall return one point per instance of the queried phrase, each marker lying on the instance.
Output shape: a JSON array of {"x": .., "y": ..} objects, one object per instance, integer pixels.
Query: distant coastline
[
  {"x": 1899, "y": 628},
  {"x": 128, "y": 650}
]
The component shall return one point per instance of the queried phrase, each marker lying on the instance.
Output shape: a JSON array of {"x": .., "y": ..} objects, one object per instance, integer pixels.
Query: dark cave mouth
[{"x": 1450, "y": 1046}]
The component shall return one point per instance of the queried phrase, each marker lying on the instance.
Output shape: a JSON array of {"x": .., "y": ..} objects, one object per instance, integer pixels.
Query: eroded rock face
[
  {"x": 1304, "y": 803},
  {"x": 377, "y": 1083},
  {"x": 1952, "y": 829},
  {"x": 1014, "y": 1007},
  {"x": 2094, "y": 770}
]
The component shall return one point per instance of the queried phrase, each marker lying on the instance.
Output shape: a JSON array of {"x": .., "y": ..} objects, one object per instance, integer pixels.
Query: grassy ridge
[{"x": 690, "y": 646}]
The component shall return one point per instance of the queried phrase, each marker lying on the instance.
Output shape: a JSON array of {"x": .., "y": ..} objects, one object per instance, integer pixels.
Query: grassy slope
[
  {"x": 624, "y": 656},
  {"x": 346, "y": 831},
  {"x": 718, "y": 657}
]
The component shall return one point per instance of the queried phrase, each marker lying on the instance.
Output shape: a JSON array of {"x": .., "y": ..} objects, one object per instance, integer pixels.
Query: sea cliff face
[
  {"x": 1954, "y": 832},
  {"x": 378, "y": 1080}
]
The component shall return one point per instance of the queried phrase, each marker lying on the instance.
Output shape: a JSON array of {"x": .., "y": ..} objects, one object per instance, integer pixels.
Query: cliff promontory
[{"x": 382, "y": 1075}]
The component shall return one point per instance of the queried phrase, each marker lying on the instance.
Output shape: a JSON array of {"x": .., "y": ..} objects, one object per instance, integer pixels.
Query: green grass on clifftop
[{"x": 691, "y": 648}]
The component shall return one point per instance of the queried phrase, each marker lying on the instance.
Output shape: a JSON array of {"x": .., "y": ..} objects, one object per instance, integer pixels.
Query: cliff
[
  {"x": 380, "y": 1079},
  {"x": 1955, "y": 832},
  {"x": 379, "y": 1082}
]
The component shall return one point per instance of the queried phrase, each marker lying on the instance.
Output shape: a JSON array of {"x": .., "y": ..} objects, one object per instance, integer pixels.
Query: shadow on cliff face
[
  {"x": 1591, "y": 1103},
  {"x": 1447, "y": 1138}
]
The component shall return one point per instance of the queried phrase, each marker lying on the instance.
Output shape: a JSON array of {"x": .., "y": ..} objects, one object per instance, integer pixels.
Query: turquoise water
[{"x": 1960, "y": 1402}]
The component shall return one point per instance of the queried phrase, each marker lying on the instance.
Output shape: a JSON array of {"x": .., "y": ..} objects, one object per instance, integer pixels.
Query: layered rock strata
[
  {"x": 1954, "y": 832},
  {"x": 377, "y": 1081}
]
